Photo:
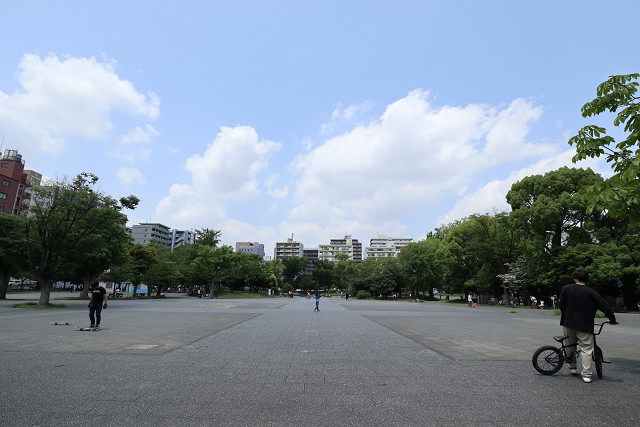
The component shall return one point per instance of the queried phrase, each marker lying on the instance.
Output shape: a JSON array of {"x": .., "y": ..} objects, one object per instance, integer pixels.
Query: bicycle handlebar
[{"x": 601, "y": 325}]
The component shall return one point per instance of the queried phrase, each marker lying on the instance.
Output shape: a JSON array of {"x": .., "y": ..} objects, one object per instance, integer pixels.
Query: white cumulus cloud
[
  {"x": 227, "y": 172},
  {"x": 66, "y": 97},
  {"x": 410, "y": 158},
  {"x": 130, "y": 177}
]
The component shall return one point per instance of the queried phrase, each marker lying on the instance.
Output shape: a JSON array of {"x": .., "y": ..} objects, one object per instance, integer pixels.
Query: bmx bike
[{"x": 549, "y": 359}]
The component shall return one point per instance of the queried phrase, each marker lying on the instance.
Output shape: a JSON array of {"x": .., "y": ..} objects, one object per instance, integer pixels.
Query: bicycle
[{"x": 549, "y": 359}]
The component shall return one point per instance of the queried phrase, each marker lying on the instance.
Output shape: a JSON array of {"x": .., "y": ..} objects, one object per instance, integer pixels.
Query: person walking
[
  {"x": 97, "y": 301},
  {"x": 578, "y": 304},
  {"x": 317, "y": 302},
  {"x": 469, "y": 300}
]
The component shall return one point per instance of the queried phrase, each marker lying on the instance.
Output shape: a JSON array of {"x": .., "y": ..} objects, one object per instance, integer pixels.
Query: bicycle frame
[{"x": 549, "y": 359}]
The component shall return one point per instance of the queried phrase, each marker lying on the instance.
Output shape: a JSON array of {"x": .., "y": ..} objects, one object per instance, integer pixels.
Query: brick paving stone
[{"x": 276, "y": 362}]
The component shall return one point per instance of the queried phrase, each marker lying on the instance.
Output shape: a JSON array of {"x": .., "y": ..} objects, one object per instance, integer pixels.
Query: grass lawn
[{"x": 35, "y": 305}]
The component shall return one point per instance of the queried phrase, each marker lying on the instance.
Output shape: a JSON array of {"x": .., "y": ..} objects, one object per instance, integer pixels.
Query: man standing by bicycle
[{"x": 579, "y": 304}]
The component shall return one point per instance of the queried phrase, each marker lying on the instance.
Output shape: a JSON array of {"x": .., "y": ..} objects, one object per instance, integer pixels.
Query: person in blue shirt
[{"x": 317, "y": 302}]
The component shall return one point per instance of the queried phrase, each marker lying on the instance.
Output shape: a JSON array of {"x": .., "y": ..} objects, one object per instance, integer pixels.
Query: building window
[
  {"x": 6, "y": 183},
  {"x": 5, "y": 165},
  {"x": 1, "y": 208},
  {"x": 3, "y": 195}
]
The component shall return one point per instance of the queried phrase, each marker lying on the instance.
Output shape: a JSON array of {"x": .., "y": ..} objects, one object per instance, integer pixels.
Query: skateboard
[
  {"x": 88, "y": 329},
  {"x": 60, "y": 323}
]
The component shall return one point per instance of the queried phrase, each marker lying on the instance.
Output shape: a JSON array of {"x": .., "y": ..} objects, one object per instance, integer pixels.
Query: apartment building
[
  {"x": 310, "y": 254},
  {"x": 31, "y": 179},
  {"x": 250, "y": 248},
  {"x": 146, "y": 232},
  {"x": 383, "y": 246},
  {"x": 14, "y": 196},
  {"x": 182, "y": 237},
  {"x": 290, "y": 248},
  {"x": 349, "y": 246}
]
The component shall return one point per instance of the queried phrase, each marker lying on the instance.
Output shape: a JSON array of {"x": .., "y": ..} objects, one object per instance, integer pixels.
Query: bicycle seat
[{"x": 560, "y": 338}]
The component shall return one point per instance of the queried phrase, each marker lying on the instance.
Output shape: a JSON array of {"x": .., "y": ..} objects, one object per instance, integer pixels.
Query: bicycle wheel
[
  {"x": 597, "y": 357},
  {"x": 548, "y": 360}
]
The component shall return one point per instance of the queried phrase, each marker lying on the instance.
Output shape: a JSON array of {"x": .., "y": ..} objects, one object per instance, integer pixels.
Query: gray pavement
[{"x": 255, "y": 362}]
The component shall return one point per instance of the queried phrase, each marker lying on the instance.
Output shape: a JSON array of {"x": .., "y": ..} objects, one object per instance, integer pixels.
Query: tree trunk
[
  {"x": 629, "y": 288},
  {"x": 45, "y": 291},
  {"x": 5, "y": 277},
  {"x": 85, "y": 288}
]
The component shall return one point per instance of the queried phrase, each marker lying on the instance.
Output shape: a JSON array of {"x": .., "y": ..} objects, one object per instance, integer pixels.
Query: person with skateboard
[{"x": 97, "y": 301}]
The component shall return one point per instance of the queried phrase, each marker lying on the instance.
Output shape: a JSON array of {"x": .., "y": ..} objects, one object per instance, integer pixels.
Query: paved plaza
[{"x": 275, "y": 362}]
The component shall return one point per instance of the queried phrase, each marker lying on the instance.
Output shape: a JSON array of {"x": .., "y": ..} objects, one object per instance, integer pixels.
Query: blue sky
[{"x": 317, "y": 118}]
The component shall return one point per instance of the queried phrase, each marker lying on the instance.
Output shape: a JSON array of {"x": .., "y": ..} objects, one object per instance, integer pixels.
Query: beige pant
[{"x": 585, "y": 347}]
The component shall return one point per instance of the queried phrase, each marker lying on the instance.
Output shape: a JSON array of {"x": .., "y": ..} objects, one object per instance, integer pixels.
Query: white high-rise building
[
  {"x": 348, "y": 246},
  {"x": 383, "y": 246},
  {"x": 146, "y": 232}
]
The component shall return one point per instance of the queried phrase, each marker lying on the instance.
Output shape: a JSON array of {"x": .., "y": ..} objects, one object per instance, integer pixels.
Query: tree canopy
[{"x": 620, "y": 194}]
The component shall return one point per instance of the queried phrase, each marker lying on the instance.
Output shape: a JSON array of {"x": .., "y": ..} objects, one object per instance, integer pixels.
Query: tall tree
[
  {"x": 620, "y": 194},
  {"x": 108, "y": 246},
  {"x": 207, "y": 237},
  {"x": 293, "y": 266},
  {"x": 212, "y": 264},
  {"x": 65, "y": 214},
  {"x": 142, "y": 258},
  {"x": 163, "y": 273},
  {"x": 12, "y": 249},
  {"x": 422, "y": 265},
  {"x": 323, "y": 273},
  {"x": 549, "y": 206}
]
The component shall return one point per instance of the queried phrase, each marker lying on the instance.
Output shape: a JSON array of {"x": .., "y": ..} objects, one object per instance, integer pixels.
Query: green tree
[
  {"x": 306, "y": 282},
  {"x": 551, "y": 211},
  {"x": 142, "y": 257},
  {"x": 422, "y": 265},
  {"x": 163, "y": 273},
  {"x": 65, "y": 214},
  {"x": 212, "y": 265},
  {"x": 106, "y": 247},
  {"x": 12, "y": 249},
  {"x": 293, "y": 267},
  {"x": 344, "y": 273},
  {"x": 383, "y": 281},
  {"x": 207, "y": 237},
  {"x": 246, "y": 271},
  {"x": 322, "y": 273},
  {"x": 620, "y": 194},
  {"x": 275, "y": 272}
]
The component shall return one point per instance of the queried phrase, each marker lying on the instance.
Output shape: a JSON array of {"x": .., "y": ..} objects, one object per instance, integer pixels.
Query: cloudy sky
[{"x": 269, "y": 118}]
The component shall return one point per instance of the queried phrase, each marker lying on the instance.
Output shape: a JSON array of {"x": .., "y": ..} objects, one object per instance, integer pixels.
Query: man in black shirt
[
  {"x": 579, "y": 304},
  {"x": 97, "y": 299}
]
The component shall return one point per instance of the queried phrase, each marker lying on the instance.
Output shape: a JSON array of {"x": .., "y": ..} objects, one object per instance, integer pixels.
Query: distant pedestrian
[
  {"x": 97, "y": 301},
  {"x": 317, "y": 302},
  {"x": 346, "y": 296},
  {"x": 469, "y": 300}
]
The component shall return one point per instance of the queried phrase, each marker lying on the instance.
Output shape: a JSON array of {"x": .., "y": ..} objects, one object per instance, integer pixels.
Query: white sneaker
[
  {"x": 573, "y": 371},
  {"x": 586, "y": 379}
]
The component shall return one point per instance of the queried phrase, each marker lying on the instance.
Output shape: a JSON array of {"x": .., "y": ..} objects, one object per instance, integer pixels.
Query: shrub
[{"x": 362, "y": 294}]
